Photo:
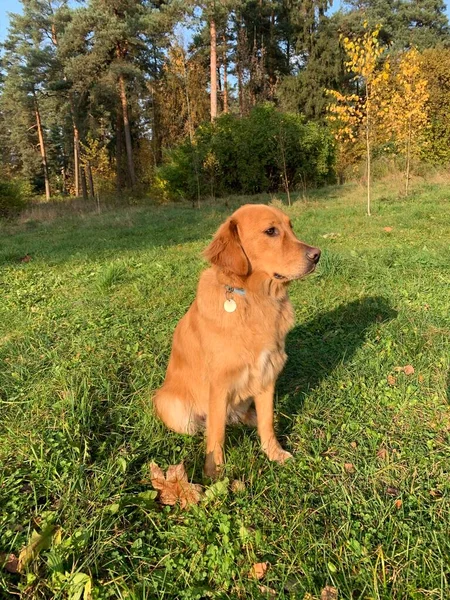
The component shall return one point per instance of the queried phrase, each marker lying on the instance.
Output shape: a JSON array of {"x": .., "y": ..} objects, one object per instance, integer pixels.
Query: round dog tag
[{"x": 230, "y": 305}]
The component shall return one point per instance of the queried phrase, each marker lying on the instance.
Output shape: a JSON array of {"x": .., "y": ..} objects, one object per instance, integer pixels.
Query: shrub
[
  {"x": 250, "y": 155},
  {"x": 14, "y": 195}
]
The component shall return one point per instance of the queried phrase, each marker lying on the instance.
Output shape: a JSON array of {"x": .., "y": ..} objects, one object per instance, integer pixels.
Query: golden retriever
[{"x": 228, "y": 349}]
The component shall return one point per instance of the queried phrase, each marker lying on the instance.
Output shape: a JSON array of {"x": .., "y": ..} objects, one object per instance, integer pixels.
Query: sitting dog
[{"x": 229, "y": 348}]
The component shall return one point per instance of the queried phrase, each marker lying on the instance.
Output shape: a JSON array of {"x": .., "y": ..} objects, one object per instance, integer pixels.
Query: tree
[
  {"x": 182, "y": 91},
  {"x": 30, "y": 60},
  {"x": 305, "y": 90},
  {"x": 359, "y": 114},
  {"x": 404, "y": 23},
  {"x": 407, "y": 114},
  {"x": 435, "y": 67}
]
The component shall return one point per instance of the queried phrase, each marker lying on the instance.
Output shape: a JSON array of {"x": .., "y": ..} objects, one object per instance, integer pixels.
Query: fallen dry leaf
[
  {"x": 408, "y": 370},
  {"x": 383, "y": 453},
  {"x": 237, "y": 486},
  {"x": 349, "y": 467},
  {"x": 436, "y": 493},
  {"x": 388, "y": 229},
  {"x": 174, "y": 486},
  {"x": 353, "y": 444},
  {"x": 329, "y": 593},
  {"x": 398, "y": 503},
  {"x": 258, "y": 570},
  {"x": 267, "y": 591},
  {"x": 38, "y": 542},
  {"x": 391, "y": 380},
  {"x": 10, "y": 562}
]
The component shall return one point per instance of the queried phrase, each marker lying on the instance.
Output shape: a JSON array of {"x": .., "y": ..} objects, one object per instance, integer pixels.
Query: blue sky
[
  {"x": 6, "y": 7},
  {"x": 15, "y": 6}
]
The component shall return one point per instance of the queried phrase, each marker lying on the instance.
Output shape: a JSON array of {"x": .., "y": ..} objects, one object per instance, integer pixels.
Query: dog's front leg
[
  {"x": 215, "y": 429},
  {"x": 264, "y": 412}
]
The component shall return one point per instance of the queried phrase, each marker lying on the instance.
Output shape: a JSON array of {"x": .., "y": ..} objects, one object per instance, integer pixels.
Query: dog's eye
[{"x": 271, "y": 232}]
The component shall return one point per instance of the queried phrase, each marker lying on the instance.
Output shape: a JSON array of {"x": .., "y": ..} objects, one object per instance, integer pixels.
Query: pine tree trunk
[
  {"x": 225, "y": 76},
  {"x": 42, "y": 148},
  {"x": 76, "y": 158},
  {"x": 240, "y": 90},
  {"x": 119, "y": 150},
  {"x": 240, "y": 53},
  {"x": 126, "y": 127},
  {"x": 213, "y": 68},
  {"x": 76, "y": 146},
  {"x": 156, "y": 129}
]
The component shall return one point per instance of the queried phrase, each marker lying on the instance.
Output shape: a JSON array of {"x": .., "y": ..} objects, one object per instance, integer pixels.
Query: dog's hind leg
[{"x": 177, "y": 414}]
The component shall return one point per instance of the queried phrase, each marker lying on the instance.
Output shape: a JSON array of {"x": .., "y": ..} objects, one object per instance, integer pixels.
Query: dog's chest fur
[
  {"x": 245, "y": 348},
  {"x": 262, "y": 346}
]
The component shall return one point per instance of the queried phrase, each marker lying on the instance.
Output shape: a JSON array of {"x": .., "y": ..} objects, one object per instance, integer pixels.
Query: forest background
[{"x": 183, "y": 100}]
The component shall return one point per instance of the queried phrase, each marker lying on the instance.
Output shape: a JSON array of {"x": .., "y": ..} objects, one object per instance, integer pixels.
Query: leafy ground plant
[{"x": 362, "y": 510}]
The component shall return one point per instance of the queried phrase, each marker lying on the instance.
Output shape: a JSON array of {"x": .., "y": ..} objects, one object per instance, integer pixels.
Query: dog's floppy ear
[{"x": 226, "y": 251}]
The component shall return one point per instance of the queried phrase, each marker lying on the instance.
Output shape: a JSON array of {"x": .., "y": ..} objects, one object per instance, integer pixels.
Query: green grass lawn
[{"x": 85, "y": 335}]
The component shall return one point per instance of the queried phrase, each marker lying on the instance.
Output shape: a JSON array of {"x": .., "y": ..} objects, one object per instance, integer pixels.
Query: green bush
[
  {"x": 13, "y": 197},
  {"x": 250, "y": 155}
]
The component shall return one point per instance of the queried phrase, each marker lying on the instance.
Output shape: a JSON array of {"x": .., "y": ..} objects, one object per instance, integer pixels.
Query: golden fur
[{"x": 221, "y": 363}]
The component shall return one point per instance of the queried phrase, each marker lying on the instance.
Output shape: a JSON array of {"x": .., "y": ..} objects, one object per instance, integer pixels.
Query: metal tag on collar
[{"x": 230, "y": 304}]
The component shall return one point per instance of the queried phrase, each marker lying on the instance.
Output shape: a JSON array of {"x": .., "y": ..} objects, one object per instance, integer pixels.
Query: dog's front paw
[
  {"x": 213, "y": 465},
  {"x": 281, "y": 456},
  {"x": 276, "y": 453}
]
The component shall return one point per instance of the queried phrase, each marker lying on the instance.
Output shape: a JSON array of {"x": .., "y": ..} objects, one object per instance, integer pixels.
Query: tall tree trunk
[
  {"x": 156, "y": 127},
  {"x": 83, "y": 184},
  {"x": 119, "y": 151},
  {"x": 240, "y": 54},
  {"x": 213, "y": 68},
  {"x": 76, "y": 146},
  {"x": 408, "y": 158},
  {"x": 42, "y": 147},
  {"x": 225, "y": 75},
  {"x": 126, "y": 127},
  {"x": 76, "y": 158},
  {"x": 368, "y": 164},
  {"x": 90, "y": 179}
]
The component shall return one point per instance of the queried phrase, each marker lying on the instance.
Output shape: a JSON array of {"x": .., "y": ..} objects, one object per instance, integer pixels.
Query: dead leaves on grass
[
  {"x": 174, "y": 487},
  {"x": 329, "y": 593},
  {"x": 38, "y": 542},
  {"x": 258, "y": 570},
  {"x": 407, "y": 370}
]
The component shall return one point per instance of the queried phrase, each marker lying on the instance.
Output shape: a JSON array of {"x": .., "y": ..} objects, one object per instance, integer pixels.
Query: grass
[{"x": 85, "y": 335}]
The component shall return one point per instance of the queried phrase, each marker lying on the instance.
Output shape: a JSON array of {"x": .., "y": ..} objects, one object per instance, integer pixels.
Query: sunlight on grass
[{"x": 85, "y": 335}]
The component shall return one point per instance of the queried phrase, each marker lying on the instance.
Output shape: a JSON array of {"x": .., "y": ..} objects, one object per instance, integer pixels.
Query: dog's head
[{"x": 259, "y": 238}]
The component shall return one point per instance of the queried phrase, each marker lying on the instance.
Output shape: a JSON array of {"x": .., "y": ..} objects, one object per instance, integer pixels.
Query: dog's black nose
[{"x": 313, "y": 254}]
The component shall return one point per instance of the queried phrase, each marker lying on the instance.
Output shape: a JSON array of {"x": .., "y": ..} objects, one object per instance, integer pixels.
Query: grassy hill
[{"x": 88, "y": 304}]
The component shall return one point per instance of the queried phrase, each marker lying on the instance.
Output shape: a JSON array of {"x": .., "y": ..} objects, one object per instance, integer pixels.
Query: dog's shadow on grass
[{"x": 315, "y": 348}]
